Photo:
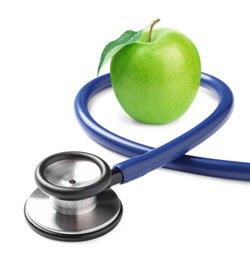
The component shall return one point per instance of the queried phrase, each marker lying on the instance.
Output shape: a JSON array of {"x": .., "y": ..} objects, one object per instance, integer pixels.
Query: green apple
[{"x": 156, "y": 78}]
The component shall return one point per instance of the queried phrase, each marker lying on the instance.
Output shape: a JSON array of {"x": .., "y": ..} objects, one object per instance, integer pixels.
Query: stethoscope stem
[{"x": 117, "y": 177}]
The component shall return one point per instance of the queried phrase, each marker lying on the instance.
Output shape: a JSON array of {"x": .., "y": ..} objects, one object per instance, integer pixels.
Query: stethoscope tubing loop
[{"x": 178, "y": 160}]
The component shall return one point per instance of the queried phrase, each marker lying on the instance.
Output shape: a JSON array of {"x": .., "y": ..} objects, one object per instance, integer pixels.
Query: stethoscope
[{"x": 74, "y": 201}]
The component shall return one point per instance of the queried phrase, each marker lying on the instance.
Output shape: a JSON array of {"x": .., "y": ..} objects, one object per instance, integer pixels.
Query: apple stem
[{"x": 151, "y": 29}]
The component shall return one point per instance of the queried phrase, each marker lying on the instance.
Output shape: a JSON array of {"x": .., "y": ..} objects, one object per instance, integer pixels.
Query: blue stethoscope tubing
[{"x": 171, "y": 155}]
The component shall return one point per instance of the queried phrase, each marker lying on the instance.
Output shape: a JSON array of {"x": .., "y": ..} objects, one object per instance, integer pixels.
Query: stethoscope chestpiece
[{"x": 73, "y": 201}]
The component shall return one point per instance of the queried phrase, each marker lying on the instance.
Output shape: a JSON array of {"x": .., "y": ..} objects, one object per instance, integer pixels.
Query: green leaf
[{"x": 113, "y": 47}]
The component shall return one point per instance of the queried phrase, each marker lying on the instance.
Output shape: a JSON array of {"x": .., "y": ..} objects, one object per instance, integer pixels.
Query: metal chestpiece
[{"x": 73, "y": 201}]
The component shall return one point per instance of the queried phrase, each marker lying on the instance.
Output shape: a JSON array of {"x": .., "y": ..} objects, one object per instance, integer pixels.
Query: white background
[{"x": 48, "y": 51}]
